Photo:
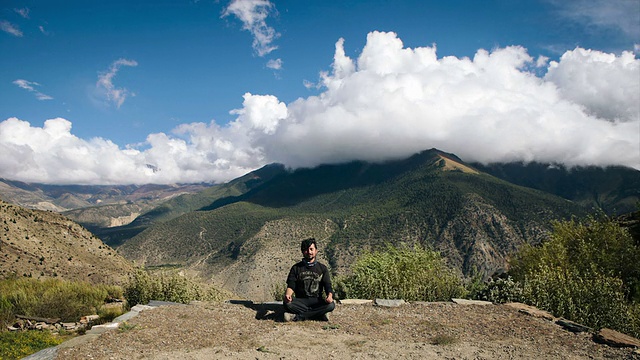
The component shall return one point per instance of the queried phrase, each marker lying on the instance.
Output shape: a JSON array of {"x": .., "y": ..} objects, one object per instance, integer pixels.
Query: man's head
[{"x": 309, "y": 249}]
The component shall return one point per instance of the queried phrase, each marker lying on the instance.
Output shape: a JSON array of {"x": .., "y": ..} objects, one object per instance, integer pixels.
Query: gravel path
[{"x": 413, "y": 331}]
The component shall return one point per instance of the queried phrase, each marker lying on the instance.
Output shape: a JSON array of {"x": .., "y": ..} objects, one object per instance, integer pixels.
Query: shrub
[
  {"x": 586, "y": 272},
  {"x": 409, "y": 274},
  {"x": 501, "y": 290},
  {"x": 167, "y": 286}
]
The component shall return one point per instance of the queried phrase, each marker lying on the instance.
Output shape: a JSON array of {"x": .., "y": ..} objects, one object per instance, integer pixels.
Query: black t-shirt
[{"x": 308, "y": 280}]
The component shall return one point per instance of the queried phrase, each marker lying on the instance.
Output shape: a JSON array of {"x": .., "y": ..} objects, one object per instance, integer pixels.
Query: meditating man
[{"x": 307, "y": 280}]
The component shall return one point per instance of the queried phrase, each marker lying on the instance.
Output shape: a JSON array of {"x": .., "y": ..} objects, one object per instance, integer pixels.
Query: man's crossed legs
[{"x": 308, "y": 309}]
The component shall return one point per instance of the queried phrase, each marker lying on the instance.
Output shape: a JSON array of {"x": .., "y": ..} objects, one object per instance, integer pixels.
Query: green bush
[
  {"x": 167, "y": 286},
  {"x": 586, "y": 272},
  {"x": 501, "y": 290},
  {"x": 410, "y": 274},
  {"x": 18, "y": 344}
]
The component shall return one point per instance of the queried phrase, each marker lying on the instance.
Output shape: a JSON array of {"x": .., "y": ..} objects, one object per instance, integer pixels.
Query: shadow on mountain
[{"x": 291, "y": 188}]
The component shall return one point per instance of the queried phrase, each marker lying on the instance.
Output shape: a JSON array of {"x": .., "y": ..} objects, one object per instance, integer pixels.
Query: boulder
[{"x": 616, "y": 339}]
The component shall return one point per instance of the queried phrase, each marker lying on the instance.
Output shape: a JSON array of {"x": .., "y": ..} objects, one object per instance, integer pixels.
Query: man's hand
[
  {"x": 329, "y": 298},
  {"x": 288, "y": 296}
]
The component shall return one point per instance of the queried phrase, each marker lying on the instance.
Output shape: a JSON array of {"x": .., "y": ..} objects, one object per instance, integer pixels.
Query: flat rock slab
[
  {"x": 99, "y": 329},
  {"x": 78, "y": 340},
  {"x": 471, "y": 302},
  {"x": 616, "y": 339},
  {"x": 573, "y": 326},
  {"x": 531, "y": 310},
  {"x": 355, "y": 301},
  {"x": 389, "y": 302},
  {"x": 156, "y": 303}
]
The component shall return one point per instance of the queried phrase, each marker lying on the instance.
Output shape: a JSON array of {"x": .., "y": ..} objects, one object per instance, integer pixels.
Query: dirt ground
[{"x": 412, "y": 331}]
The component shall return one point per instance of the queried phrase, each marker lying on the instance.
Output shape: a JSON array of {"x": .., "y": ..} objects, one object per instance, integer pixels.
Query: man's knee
[
  {"x": 331, "y": 306},
  {"x": 288, "y": 307}
]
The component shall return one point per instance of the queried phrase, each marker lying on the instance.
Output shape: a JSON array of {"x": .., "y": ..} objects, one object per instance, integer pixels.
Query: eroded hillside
[{"x": 40, "y": 244}]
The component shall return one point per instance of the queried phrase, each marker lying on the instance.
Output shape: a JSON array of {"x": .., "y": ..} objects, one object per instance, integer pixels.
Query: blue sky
[{"x": 181, "y": 91}]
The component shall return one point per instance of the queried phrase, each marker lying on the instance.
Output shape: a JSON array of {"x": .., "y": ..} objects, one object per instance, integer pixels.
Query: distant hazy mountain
[
  {"x": 94, "y": 206},
  {"x": 246, "y": 240},
  {"x": 615, "y": 189},
  {"x": 43, "y": 244},
  {"x": 179, "y": 205}
]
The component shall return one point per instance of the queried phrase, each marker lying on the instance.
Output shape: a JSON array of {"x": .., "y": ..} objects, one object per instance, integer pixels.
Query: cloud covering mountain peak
[{"x": 390, "y": 102}]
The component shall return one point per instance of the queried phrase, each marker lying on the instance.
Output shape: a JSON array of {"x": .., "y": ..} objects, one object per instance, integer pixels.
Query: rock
[
  {"x": 99, "y": 329},
  {"x": 531, "y": 311},
  {"x": 69, "y": 326},
  {"x": 139, "y": 308},
  {"x": 573, "y": 326},
  {"x": 156, "y": 303},
  {"x": 354, "y": 301},
  {"x": 89, "y": 318},
  {"x": 616, "y": 339},
  {"x": 389, "y": 302},
  {"x": 471, "y": 302}
]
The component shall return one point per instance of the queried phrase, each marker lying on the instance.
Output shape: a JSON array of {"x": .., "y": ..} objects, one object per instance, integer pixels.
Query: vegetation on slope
[
  {"x": 52, "y": 298},
  {"x": 614, "y": 189},
  {"x": 587, "y": 271},
  {"x": 410, "y": 274}
]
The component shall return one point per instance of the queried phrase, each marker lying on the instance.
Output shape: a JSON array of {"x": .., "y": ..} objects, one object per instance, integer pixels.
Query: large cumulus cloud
[{"x": 388, "y": 103}]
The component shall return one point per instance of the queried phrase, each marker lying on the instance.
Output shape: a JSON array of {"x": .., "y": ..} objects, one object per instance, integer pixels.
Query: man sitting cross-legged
[{"x": 307, "y": 279}]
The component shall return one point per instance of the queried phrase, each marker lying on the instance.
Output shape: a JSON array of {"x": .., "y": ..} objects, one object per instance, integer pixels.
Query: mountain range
[{"x": 243, "y": 235}]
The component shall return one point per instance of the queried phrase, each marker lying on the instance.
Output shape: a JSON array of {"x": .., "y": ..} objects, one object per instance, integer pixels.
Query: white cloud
[
  {"x": 616, "y": 14},
  {"x": 390, "y": 102},
  {"x": 10, "y": 28},
  {"x": 253, "y": 14},
  {"x": 105, "y": 83},
  {"x": 24, "y": 12},
  {"x": 394, "y": 101},
  {"x": 29, "y": 85},
  {"x": 275, "y": 64},
  {"x": 608, "y": 86}
]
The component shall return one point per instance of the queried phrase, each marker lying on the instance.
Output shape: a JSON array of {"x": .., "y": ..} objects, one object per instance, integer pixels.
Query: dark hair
[{"x": 304, "y": 245}]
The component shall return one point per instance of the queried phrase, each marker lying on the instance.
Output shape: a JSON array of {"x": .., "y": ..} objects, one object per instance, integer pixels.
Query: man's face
[{"x": 310, "y": 253}]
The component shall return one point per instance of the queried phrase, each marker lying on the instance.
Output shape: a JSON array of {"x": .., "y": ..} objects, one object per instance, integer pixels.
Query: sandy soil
[{"x": 415, "y": 331}]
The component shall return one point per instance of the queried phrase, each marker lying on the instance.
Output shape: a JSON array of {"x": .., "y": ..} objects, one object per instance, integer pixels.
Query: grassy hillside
[{"x": 432, "y": 199}]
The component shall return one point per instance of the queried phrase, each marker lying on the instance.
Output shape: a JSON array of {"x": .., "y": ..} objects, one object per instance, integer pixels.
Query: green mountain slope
[
  {"x": 614, "y": 189},
  {"x": 174, "y": 207},
  {"x": 245, "y": 242}
]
